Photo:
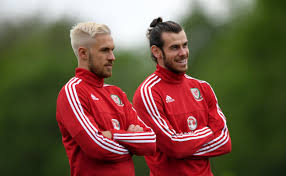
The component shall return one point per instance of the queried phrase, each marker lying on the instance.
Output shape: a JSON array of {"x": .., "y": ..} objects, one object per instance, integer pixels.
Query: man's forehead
[
  {"x": 104, "y": 40},
  {"x": 103, "y": 37},
  {"x": 171, "y": 37}
]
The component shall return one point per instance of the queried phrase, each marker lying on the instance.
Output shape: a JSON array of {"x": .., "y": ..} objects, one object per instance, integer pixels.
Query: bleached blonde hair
[{"x": 83, "y": 34}]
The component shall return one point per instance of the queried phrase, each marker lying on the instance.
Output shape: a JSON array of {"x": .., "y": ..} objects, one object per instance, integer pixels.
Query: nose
[
  {"x": 111, "y": 56},
  {"x": 183, "y": 52}
]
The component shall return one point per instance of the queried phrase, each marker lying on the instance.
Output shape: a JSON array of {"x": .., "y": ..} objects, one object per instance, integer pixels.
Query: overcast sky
[{"x": 128, "y": 19}]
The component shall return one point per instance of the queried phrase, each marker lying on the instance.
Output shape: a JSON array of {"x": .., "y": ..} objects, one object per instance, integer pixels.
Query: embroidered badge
[
  {"x": 115, "y": 124},
  {"x": 196, "y": 93},
  {"x": 192, "y": 123},
  {"x": 116, "y": 99}
]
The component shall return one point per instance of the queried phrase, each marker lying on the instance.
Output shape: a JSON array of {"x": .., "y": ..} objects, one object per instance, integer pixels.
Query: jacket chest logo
[
  {"x": 116, "y": 124},
  {"x": 116, "y": 99},
  {"x": 192, "y": 123},
  {"x": 196, "y": 94},
  {"x": 169, "y": 99},
  {"x": 93, "y": 97}
]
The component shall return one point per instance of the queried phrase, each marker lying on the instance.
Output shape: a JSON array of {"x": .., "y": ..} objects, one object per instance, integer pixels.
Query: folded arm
[
  {"x": 138, "y": 138},
  {"x": 221, "y": 142},
  {"x": 149, "y": 106}
]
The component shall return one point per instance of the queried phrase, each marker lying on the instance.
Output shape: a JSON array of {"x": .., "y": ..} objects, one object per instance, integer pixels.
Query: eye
[
  {"x": 174, "y": 47},
  {"x": 105, "y": 49},
  {"x": 185, "y": 45}
]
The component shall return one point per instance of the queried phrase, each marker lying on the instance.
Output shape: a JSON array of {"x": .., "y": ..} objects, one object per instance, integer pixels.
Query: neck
[
  {"x": 168, "y": 75},
  {"x": 89, "y": 77},
  {"x": 83, "y": 65}
]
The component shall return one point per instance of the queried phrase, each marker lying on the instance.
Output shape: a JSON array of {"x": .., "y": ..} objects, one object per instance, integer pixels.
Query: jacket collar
[
  {"x": 168, "y": 75},
  {"x": 89, "y": 77}
]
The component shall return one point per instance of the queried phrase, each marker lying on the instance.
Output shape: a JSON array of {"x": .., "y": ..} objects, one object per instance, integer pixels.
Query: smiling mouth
[{"x": 183, "y": 61}]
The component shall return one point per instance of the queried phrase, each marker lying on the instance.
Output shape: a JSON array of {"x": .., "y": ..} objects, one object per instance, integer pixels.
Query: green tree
[{"x": 244, "y": 61}]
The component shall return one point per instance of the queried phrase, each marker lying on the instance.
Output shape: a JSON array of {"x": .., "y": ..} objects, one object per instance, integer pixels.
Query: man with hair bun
[
  {"x": 183, "y": 111},
  {"x": 100, "y": 129}
]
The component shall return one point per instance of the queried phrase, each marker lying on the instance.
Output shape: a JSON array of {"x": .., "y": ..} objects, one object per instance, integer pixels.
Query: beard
[
  {"x": 170, "y": 65},
  {"x": 99, "y": 71}
]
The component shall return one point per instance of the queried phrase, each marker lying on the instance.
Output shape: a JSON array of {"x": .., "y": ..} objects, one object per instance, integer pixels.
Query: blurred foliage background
[{"x": 243, "y": 59}]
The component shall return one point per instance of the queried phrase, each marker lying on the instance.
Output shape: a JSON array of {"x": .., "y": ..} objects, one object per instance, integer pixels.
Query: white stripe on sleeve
[{"x": 86, "y": 124}]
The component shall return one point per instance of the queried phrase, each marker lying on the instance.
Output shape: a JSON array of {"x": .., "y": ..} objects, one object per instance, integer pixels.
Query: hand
[
  {"x": 134, "y": 128},
  {"x": 107, "y": 134}
]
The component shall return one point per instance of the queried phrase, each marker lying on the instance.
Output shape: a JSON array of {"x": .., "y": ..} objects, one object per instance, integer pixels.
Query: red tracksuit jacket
[
  {"x": 85, "y": 107},
  {"x": 189, "y": 125}
]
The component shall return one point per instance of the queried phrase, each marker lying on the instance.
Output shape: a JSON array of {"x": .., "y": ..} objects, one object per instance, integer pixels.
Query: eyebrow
[
  {"x": 175, "y": 45},
  {"x": 107, "y": 48}
]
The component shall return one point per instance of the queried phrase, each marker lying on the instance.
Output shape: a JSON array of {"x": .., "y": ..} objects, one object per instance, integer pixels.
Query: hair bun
[{"x": 156, "y": 21}]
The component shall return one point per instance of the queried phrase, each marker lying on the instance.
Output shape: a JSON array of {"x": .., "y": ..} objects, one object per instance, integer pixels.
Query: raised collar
[
  {"x": 168, "y": 75},
  {"x": 89, "y": 77}
]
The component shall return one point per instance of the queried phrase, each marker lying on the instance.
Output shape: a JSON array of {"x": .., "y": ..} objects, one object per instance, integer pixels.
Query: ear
[
  {"x": 156, "y": 51},
  {"x": 83, "y": 53}
]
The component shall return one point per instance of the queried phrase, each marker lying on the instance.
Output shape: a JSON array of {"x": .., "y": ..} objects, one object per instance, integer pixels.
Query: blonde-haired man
[{"x": 100, "y": 129}]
